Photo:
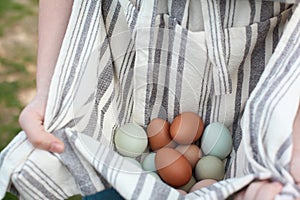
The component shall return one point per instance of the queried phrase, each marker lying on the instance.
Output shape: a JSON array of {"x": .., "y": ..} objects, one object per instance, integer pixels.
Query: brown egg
[
  {"x": 203, "y": 183},
  {"x": 186, "y": 128},
  {"x": 158, "y": 134},
  {"x": 191, "y": 152},
  {"x": 173, "y": 167}
]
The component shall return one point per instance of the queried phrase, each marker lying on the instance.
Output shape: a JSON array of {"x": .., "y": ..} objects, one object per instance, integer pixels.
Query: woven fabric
[{"x": 235, "y": 62}]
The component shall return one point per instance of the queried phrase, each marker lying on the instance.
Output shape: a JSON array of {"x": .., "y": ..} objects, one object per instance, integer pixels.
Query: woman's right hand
[{"x": 31, "y": 121}]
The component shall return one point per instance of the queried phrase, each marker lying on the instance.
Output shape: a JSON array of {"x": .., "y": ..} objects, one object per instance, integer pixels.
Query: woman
[{"x": 54, "y": 15}]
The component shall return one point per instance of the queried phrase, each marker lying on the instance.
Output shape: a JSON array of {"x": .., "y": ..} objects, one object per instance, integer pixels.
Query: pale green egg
[
  {"x": 216, "y": 140},
  {"x": 209, "y": 167},
  {"x": 131, "y": 140},
  {"x": 149, "y": 162},
  {"x": 189, "y": 185}
]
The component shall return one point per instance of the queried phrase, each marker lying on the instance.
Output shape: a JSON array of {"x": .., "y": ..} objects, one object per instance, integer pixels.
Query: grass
[{"x": 18, "y": 43}]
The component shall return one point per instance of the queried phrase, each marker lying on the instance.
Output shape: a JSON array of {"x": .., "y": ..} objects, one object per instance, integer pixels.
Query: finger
[
  {"x": 295, "y": 162},
  {"x": 240, "y": 195},
  {"x": 31, "y": 123},
  {"x": 268, "y": 191},
  {"x": 253, "y": 189}
]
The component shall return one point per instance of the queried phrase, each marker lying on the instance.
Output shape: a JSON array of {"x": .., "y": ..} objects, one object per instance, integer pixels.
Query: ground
[{"x": 18, "y": 48}]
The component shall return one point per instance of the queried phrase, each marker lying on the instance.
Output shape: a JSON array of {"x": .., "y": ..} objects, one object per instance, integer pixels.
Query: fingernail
[{"x": 56, "y": 147}]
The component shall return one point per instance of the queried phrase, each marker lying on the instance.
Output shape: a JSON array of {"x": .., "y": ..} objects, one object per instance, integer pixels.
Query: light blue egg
[
  {"x": 216, "y": 140},
  {"x": 209, "y": 167},
  {"x": 149, "y": 162}
]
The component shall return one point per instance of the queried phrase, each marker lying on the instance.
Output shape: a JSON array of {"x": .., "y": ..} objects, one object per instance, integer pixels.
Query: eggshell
[
  {"x": 181, "y": 191},
  {"x": 186, "y": 128},
  {"x": 203, "y": 183},
  {"x": 149, "y": 162},
  {"x": 158, "y": 134},
  {"x": 209, "y": 167},
  {"x": 188, "y": 185},
  {"x": 191, "y": 152},
  {"x": 130, "y": 140},
  {"x": 172, "y": 167},
  {"x": 216, "y": 140}
]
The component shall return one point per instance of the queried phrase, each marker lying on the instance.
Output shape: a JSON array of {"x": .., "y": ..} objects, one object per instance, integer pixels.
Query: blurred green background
[{"x": 18, "y": 47}]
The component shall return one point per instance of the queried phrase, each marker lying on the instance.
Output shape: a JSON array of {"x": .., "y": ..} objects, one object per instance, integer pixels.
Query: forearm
[{"x": 53, "y": 20}]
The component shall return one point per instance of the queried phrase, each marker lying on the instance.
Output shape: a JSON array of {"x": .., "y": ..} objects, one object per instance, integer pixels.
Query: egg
[
  {"x": 209, "y": 167},
  {"x": 149, "y": 162},
  {"x": 191, "y": 152},
  {"x": 158, "y": 134},
  {"x": 130, "y": 140},
  {"x": 188, "y": 185},
  {"x": 181, "y": 191},
  {"x": 216, "y": 140},
  {"x": 173, "y": 167},
  {"x": 186, "y": 128},
  {"x": 201, "y": 184}
]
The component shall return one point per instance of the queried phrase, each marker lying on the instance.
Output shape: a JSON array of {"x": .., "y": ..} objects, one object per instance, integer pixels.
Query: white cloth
[{"x": 122, "y": 62}]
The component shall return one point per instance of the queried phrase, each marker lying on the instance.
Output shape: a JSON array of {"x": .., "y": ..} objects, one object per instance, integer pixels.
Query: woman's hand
[
  {"x": 260, "y": 190},
  {"x": 32, "y": 122},
  {"x": 295, "y": 162}
]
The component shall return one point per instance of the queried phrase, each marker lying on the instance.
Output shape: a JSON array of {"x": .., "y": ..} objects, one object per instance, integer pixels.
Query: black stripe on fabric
[
  {"x": 216, "y": 44},
  {"x": 258, "y": 116},
  {"x": 258, "y": 60},
  {"x": 229, "y": 13},
  {"x": 252, "y": 11},
  {"x": 106, "y": 4},
  {"x": 38, "y": 171},
  {"x": 165, "y": 97},
  {"x": 177, "y": 9},
  {"x": 267, "y": 10},
  {"x": 75, "y": 167},
  {"x": 276, "y": 34},
  {"x": 238, "y": 96},
  {"x": 156, "y": 64},
  {"x": 36, "y": 184},
  {"x": 103, "y": 112},
  {"x": 180, "y": 68},
  {"x": 150, "y": 52},
  {"x": 222, "y": 12}
]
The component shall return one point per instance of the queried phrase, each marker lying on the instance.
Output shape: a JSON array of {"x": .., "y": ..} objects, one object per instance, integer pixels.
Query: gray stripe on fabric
[
  {"x": 258, "y": 59},
  {"x": 103, "y": 112},
  {"x": 217, "y": 191},
  {"x": 165, "y": 98},
  {"x": 283, "y": 147},
  {"x": 41, "y": 174},
  {"x": 139, "y": 186},
  {"x": 156, "y": 64},
  {"x": 73, "y": 39},
  {"x": 180, "y": 68},
  {"x": 74, "y": 165},
  {"x": 177, "y": 9},
  {"x": 106, "y": 164},
  {"x": 238, "y": 95},
  {"x": 160, "y": 191},
  {"x": 204, "y": 87},
  {"x": 218, "y": 52},
  {"x": 278, "y": 64},
  {"x": 112, "y": 23},
  {"x": 150, "y": 52},
  {"x": 24, "y": 187},
  {"x": 276, "y": 34},
  {"x": 36, "y": 184},
  {"x": 267, "y": 10},
  {"x": 223, "y": 11},
  {"x": 79, "y": 50}
]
